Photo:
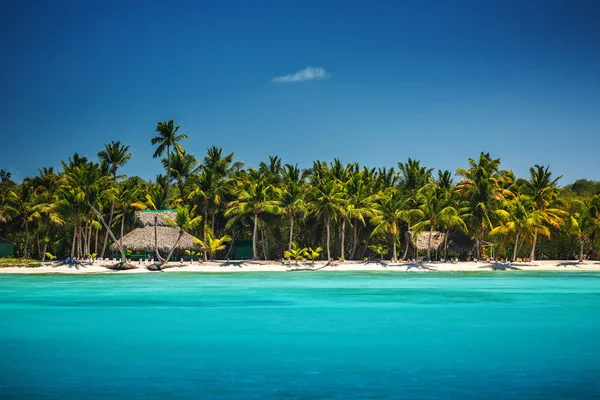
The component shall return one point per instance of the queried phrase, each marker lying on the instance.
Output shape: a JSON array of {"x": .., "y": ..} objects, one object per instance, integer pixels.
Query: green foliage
[
  {"x": 19, "y": 262},
  {"x": 379, "y": 249},
  {"x": 50, "y": 256}
]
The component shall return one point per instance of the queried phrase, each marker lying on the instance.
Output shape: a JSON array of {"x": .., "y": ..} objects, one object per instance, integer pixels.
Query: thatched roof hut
[
  {"x": 421, "y": 240},
  {"x": 142, "y": 238}
]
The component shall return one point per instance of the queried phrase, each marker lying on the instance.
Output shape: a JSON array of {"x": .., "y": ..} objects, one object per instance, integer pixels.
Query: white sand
[{"x": 274, "y": 266}]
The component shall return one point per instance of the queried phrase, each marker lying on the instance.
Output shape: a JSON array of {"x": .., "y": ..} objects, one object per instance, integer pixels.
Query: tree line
[{"x": 352, "y": 211}]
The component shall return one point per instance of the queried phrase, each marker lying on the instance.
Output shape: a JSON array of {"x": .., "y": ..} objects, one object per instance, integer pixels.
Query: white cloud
[{"x": 307, "y": 74}]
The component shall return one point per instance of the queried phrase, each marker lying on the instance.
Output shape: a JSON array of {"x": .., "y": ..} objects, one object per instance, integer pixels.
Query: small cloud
[{"x": 307, "y": 74}]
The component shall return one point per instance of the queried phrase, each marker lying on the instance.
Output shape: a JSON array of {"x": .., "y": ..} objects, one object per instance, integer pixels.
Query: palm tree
[
  {"x": 292, "y": 197},
  {"x": 359, "y": 194},
  {"x": 544, "y": 192},
  {"x": 585, "y": 223},
  {"x": 327, "y": 201},
  {"x": 213, "y": 244},
  {"x": 255, "y": 196},
  {"x": 24, "y": 201},
  {"x": 481, "y": 188},
  {"x": 167, "y": 138},
  {"x": 208, "y": 191},
  {"x": 114, "y": 156},
  {"x": 412, "y": 177},
  {"x": 182, "y": 166},
  {"x": 521, "y": 219},
  {"x": 437, "y": 209},
  {"x": 388, "y": 214}
]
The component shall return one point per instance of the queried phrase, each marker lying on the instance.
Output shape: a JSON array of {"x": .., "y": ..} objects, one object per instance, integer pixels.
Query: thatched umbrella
[
  {"x": 167, "y": 234},
  {"x": 142, "y": 239},
  {"x": 420, "y": 241}
]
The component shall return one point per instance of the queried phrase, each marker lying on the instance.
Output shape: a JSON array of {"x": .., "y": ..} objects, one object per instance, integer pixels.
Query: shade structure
[
  {"x": 142, "y": 238},
  {"x": 421, "y": 240}
]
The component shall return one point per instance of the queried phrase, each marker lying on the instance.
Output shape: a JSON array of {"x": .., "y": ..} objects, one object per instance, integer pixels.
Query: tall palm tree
[
  {"x": 412, "y": 178},
  {"x": 388, "y": 215},
  {"x": 360, "y": 194},
  {"x": 293, "y": 203},
  {"x": 255, "y": 197},
  {"x": 585, "y": 222},
  {"x": 25, "y": 203},
  {"x": 114, "y": 156},
  {"x": 521, "y": 219},
  {"x": 544, "y": 192},
  {"x": 437, "y": 209},
  {"x": 327, "y": 202},
  {"x": 480, "y": 186},
  {"x": 167, "y": 137},
  {"x": 208, "y": 190},
  {"x": 183, "y": 165}
]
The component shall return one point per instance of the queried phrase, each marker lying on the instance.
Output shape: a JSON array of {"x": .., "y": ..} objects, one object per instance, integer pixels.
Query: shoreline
[{"x": 98, "y": 267}]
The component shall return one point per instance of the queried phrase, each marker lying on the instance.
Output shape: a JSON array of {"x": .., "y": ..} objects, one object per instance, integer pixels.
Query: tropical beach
[{"x": 278, "y": 200}]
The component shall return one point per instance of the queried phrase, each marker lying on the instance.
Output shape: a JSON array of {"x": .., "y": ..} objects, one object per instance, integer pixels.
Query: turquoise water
[{"x": 301, "y": 336}]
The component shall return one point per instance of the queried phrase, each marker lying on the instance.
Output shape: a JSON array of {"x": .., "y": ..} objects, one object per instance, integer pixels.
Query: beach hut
[
  {"x": 420, "y": 241},
  {"x": 7, "y": 248},
  {"x": 141, "y": 240}
]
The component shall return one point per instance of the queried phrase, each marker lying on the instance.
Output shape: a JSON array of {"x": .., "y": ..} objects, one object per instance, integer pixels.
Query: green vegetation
[
  {"x": 19, "y": 262},
  {"x": 352, "y": 211}
]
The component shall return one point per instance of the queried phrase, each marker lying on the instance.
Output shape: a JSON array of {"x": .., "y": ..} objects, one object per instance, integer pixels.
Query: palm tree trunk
[
  {"x": 174, "y": 246},
  {"x": 168, "y": 175},
  {"x": 343, "y": 237},
  {"x": 328, "y": 252},
  {"x": 37, "y": 241},
  {"x": 477, "y": 248},
  {"x": 96, "y": 242},
  {"x": 26, "y": 252},
  {"x": 581, "y": 251},
  {"x": 354, "y": 239},
  {"x": 264, "y": 242},
  {"x": 122, "y": 228},
  {"x": 394, "y": 254},
  {"x": 291, "y": 233},
  {"x": 532, "y": 256},
  {"x": 429, "y": 243},
  {"x": 45, "y": 244},
  {"x": 110, "y": 218},
  {"x": 204, "y": 233},
  {"x": 514, "y": 258},
  {"x": 407, "y": 242},
  {"x": 254, "y": 236},
  {"x": 446, "y": 246},
  {"x": 158, "y": 256},
  {"x": 74, "y": 241}
]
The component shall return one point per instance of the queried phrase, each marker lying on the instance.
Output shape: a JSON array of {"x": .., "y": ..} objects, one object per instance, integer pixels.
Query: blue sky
[{"x": 438, "y": 81}]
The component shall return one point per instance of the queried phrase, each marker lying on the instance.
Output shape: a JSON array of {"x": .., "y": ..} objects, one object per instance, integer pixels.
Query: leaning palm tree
[
  {"x": 114, "y": 156},
  {"x": 255, "y": 197},
  {"x": 167, "y": 138}
]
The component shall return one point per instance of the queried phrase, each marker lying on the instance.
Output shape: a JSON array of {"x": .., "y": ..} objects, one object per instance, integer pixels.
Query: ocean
[{"x": 301, "y": 335}]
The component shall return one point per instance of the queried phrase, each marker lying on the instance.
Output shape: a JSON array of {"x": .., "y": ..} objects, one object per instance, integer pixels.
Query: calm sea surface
[{"x": 301, "y": 336}]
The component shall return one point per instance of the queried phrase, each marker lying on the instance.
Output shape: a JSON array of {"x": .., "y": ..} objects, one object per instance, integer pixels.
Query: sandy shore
[{"x": 319, "y": 266}]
